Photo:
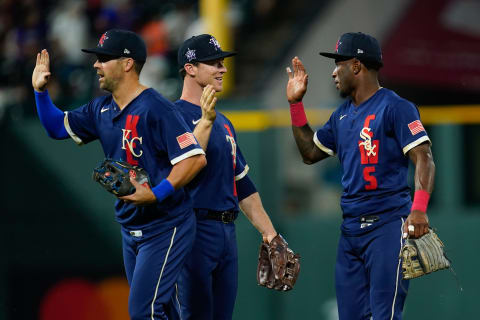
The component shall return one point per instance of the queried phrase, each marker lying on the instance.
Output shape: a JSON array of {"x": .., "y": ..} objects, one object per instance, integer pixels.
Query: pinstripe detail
[
  {"x": 161, "y": 272},
  {"x": 398, "y": 270},
  {"x": 70, "y": 132},
  {"x": 178, "y": 301}
]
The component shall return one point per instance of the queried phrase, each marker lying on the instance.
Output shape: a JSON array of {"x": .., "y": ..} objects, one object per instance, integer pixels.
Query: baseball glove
[
  {"x": 114, "y": 176},
  {"x": 278, "y": 266},
  {"x": 423, "y": 256}
]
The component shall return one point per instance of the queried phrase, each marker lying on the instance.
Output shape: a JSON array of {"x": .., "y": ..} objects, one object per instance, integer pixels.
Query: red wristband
[
  {"x": 420, "y": 201},
  {"x": 299, "y": 119}
]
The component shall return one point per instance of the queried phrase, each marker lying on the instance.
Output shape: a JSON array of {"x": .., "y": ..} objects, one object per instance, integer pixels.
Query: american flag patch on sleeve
[
  {"x": 186, "y": 139},
  {"x": 416, "y": 127}
]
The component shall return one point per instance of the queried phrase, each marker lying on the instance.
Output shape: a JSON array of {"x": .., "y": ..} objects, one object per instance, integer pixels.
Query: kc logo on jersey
[{"x": 130, "y": 139}]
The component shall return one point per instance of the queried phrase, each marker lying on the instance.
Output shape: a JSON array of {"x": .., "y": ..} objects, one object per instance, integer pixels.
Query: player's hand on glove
[
  {"x": 278, "y": 266},
  {"x": 297, "y": 81},
  {"x": 423, "y": 256},
  {"x": 41, "y": 73},
  {"x": 129, "y": 183},
  {"x": 143, "y": 194},
  {"x": 207, "y": 103},
  {"x": 416, "y": 225}
]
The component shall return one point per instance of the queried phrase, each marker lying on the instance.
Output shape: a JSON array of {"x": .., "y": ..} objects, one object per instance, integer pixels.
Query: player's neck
[
  {"x": 191, "y": 92},
  {"x": 126, "y": 92},
  {"x": 364, "y": 92}
]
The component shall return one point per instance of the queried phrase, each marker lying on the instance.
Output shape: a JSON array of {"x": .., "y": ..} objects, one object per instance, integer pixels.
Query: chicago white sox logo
[
  {"x": 368, "y": 153},
  {"x": 367, "y": 143}
]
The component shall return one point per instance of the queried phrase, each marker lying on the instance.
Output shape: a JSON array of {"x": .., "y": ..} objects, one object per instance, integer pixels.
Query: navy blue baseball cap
[
  {"x": 120, "y": 43},
  {"x": 200, "y": 49},
  {"x": 356, "y": 45}
]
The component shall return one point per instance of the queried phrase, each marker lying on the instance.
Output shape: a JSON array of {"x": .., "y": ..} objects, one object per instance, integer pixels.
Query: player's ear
[
  {"x": 129, "y": 64},
  {"x": 190, "y": 69},
  {"x": 356, "y": 66}
]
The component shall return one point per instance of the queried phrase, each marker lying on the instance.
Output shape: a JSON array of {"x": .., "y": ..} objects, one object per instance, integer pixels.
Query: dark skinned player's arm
[
  {"x": 422, "y": 158},
  {"x": 308, "y": 150}
]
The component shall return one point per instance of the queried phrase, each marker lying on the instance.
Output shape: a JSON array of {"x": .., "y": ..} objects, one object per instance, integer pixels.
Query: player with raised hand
[
  {"x": 136, "y": 124},
  {"x": 374, "y": 133},
  {"x": 208, "y": 284}
]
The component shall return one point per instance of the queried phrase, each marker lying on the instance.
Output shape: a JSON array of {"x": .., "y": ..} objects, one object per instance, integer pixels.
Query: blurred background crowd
[{"x": 61, "y": 253}]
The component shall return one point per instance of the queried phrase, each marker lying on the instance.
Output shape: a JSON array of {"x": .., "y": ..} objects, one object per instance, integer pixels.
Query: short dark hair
[
  {"x": 370, "y": 64},
  {"x": 138, "y": 66},
  {"x": 183, "y": 72}
]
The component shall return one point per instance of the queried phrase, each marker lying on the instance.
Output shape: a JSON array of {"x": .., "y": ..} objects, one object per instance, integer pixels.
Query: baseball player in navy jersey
[
  {"x": 374, "y": 133},
  {"x": 208, "y": 283},
  {"x": 136, "y": 124}
]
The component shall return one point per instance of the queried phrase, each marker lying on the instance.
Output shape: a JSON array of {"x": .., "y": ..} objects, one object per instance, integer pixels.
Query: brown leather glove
[
  {"x": 278, "y": 266},
  {"x": 423, "y": 256}
]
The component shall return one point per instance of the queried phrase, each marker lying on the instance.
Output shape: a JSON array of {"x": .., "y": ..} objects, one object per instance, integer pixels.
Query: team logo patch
[
  {"x": 215, "y": 43},
  {"x": 186, "y": 139},
  {"x": 102, "y": 39},
  {"x": 190, "y": 55},
  {"x": 415, "y": 127}
]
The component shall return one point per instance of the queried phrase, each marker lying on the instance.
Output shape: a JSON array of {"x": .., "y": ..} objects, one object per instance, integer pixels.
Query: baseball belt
[{"x": 226, "y": 216}]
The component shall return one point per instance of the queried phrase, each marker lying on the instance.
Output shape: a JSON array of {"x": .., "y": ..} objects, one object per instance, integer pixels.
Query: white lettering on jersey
[
  {"x": 234, "y": 148},
  {"x": 130, "y": 142},
  {"x": 367, "y": 143}
]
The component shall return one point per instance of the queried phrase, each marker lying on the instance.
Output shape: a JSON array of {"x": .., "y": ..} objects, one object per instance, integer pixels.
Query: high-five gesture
[
  {"x": 297, "y": 81},
  {"x": 41, "y": 73},
  {"x": 207, "y": 102}
]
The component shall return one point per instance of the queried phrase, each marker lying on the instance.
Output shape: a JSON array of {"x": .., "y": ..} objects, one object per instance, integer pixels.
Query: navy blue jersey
[
  {"x": 371, "y": 141},
  {"x": 225, "y": 163},
  {"x": 150, "y": 133}
]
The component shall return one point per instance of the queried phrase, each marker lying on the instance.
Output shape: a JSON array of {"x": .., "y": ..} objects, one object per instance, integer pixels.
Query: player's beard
[
  {"x": 108, "y": 85},
  {"x": 345, "y": 91}
]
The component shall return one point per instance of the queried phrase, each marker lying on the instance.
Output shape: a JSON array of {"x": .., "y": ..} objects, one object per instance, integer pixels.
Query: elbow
[
  {"x": 201, "y": 161},
  {"x": 308, "y": 158},
  {"x": 308, "y": 161}
]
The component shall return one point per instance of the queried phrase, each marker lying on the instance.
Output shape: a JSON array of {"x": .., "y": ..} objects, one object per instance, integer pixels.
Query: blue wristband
[
  {"x": 163, "y": 190},
  {"x": 50, "y": 116}
]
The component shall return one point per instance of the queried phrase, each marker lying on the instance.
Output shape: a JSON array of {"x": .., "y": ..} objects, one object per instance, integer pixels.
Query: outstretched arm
[
  {"x": 422, "y": 158},
  {"x": 302, "y": 132},
  {"x": 253, "y": 209},
  {"x": 50, "y": 116},
  {"x": 204, "y": 127}
]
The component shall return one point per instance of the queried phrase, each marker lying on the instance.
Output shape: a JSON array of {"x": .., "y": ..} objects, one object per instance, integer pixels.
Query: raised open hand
[
  {"x": 297, "y": 81},
  {"x": 207, "y": 102},
  {"x": 41, "y": 73}
]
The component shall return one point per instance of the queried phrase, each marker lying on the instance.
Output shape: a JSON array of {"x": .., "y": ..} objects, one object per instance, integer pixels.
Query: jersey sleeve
[
  {"x": 80, "y": 124},
  {"x": 324, "y": 138},
  {"x": 241, "y": 167},
  {"x": 406, "y": 125},
  {"x": 177, "y": 139}
]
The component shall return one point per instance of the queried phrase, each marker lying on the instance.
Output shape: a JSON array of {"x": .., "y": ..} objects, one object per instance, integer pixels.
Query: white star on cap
[
  {"x": 190, "y": 54},
  {"x": 215, "y": 43}
]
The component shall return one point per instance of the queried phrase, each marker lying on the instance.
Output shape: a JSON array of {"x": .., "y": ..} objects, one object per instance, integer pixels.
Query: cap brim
[
  {"x": 99, "y": 51},
  {"x": 335, "y": 56},
  {"x": 220, "y": 55}
]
